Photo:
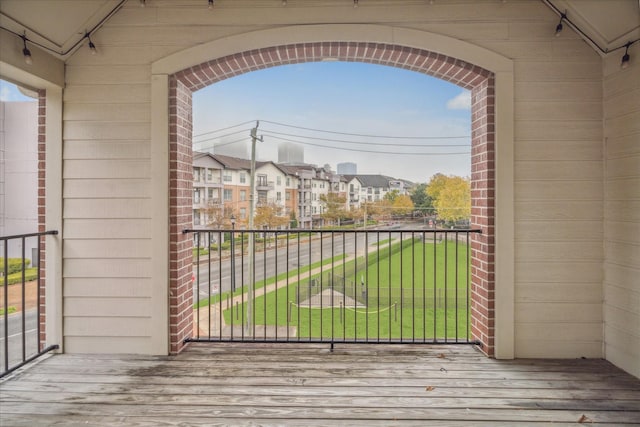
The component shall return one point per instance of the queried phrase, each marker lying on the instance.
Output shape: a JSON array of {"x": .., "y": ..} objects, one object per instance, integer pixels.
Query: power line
[
  {"x": 372, "y": 151},
  {"x": 271, "y": 133},
  {"x": 366, "y": 135}
]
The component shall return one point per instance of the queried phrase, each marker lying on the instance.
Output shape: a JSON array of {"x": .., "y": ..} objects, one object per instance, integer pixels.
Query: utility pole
[{"x": 252, "y": 185}]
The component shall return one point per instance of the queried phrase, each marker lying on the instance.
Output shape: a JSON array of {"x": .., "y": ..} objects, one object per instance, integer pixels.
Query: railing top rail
[
  {"x": 19, "y": 236},
  {"x": 336, "y": 230}
]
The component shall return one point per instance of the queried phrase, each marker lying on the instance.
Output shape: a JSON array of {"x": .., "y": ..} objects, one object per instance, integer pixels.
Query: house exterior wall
[
  {"x": 557, "y": 146},
  {"x": 622, "y": 212}
]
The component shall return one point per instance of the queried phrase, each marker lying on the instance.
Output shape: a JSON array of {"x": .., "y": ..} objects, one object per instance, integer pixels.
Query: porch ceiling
[{"x": 60, "y": 25}]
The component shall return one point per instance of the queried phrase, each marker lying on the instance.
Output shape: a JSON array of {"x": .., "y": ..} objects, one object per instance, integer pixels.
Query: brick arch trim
[{"x": 478, "y": 80}]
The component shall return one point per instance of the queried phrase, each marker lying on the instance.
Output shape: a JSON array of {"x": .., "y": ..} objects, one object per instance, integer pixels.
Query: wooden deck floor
[{"x": 287, "y": 384}]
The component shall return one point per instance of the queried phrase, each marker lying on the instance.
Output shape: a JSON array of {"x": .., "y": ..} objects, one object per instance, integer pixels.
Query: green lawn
[{"x": 404, "y": 299}]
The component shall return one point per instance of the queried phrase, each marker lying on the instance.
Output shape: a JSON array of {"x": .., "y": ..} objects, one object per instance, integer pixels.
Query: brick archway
[{"x": 476, "y": 79}]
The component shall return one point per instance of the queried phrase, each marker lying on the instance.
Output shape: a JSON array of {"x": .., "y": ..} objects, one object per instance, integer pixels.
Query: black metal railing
[
  {"x": 334, "y": 286},
  {"x": 20, "y": 314}
]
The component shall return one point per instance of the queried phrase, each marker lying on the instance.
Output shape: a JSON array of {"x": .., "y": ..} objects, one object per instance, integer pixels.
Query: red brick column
[
  {"x": 42, "y": 116},
  {"x": 483, "y": 214},
  {"x": 180, "y": 214}
]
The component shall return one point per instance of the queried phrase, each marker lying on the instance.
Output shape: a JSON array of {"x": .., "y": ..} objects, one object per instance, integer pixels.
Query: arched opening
[{"x": 479, "y": 81}]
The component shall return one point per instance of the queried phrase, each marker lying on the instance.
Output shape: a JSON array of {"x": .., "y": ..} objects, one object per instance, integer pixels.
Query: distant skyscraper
[
  {"x": 289, "y": 153},
  {"x": 347, "y": 168}
]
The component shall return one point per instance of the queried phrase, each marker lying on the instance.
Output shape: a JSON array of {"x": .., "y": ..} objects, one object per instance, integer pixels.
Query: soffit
[{"x": 60, "y": 25}]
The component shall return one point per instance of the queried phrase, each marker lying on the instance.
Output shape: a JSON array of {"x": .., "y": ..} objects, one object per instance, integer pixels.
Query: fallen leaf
[
  {"x": 430, "y": 388},
  {"x": 584, "y": 419},
  {"x": 442, "y": 356}
]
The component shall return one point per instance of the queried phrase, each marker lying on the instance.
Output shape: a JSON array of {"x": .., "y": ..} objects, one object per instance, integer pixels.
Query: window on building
[
  {"x": 196, "y": 217},
  {"x": 210, "y": 193},
  {"x": 243, "y": 213},
  {"x": 226, "y": 176},
  {"x": 228, "y": 195},
  {"x": 278, "y": 196},
  {"x": 262, "y": 180},
  {"x": 243, "y": 195},
  {"x": 196, "y": 196},
  {"x": 288, "y": 182},
  {"x": 279, "y": 180},
  {"x": 287, "y": 196},
  {"x": 243, "y": 178},
  {"x": 196, "y": 174},
  {"x": 209, "y": 175}
]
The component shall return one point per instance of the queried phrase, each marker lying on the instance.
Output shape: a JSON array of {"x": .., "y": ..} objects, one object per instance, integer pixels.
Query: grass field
[{"x": 412, "y": 290}]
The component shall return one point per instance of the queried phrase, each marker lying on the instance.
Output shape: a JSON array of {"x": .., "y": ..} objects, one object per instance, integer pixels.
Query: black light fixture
[
  {"x": 284, "y": 3},
  {"x": 625, "y": 58},
  {"x": 143, "y": 3},
  {"x": 25, "y": 51},
  {"x": 355, "y": 3},
  {"x": 92, "y": 47},
  {"x": 559, "y": 26},
  {"x": 210, "y": 4}
]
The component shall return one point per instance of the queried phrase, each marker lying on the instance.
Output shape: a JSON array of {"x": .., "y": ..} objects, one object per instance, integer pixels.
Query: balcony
[
  {"x": 262, "y": 185},
  {"x": 306, "y": 384}
]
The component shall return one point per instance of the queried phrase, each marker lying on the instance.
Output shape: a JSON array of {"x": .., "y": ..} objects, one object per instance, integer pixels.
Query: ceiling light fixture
[
  {"x": 25, "y": 51},
  {"x": 559, "y": 26},
  {"x": 625, "y": 58},
  {"x": 143, "y": 3},
  {"x": 284, "y": 3},
  {"x": 355, "y": 3},
  {"x": 211, "y": 4}
]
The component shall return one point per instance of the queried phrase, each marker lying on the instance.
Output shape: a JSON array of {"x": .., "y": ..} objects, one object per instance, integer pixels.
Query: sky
[
  {"x": 10, "y": 93},
  {"x": 387, "y": 120}
]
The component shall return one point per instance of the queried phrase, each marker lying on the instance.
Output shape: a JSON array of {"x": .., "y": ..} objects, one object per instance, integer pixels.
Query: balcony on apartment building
[{"x": 264, "y": 185}]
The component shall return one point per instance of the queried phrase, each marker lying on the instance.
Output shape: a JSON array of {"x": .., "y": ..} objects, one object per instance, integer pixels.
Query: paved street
[{"x": 15, "y": 336}]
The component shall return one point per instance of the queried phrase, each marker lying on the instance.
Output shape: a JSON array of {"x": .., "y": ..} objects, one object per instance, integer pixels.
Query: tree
[
  {"x": 451, "y": 197},
  {"x": 269, "y": 215},
  {"x": 402, "y": 205},
  {"x": 421, "y": 200},
  {"x": 334, "y": 204},
  {"x": 392, "y": 195},
  {"x": 293, "y": 221},
  {"x": 219, "y": 216}
]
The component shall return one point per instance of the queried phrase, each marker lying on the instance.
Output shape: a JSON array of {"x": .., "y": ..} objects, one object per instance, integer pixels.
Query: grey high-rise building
[{"x": 347, "y": 168}]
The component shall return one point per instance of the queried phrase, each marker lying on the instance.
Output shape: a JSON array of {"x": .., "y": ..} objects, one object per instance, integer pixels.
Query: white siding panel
[
  {"x": 571, "y": 150},
  {"x": 102, "y": 228},
  {"x": 107, "y": 268},
  {"x": 118, "y": 343},
  {"x": 107, "y": 112},
  {"x": 114, "y": 74},
  {"x": 105, "y": 130},
  {"x": 107, "y": 169},
  {"x": 107, "y": 326},
  {"x": 107, "y": 287},
  {"x": 585, "y": 91},
  {"x": 559, "y": 251},
  {"x": 101, "y": 208},
  {"x": 106, "y": 188},
  {"x": 129, "y": 248},
  {"x": 126, "y": 94},
  {"x": 107, "y": 307},
  {"x": 586, "y": 313},
  {"x": 552, "y": 292},
  {"x": 558, "y": 210},
  {"x": 559, "y": 231},
  {"x": 558, "y": 272},
  {"x": 569, "y": 190},
  {"x": 106, "y": 149},
  {"x": 565, "y": 347},
  {"x": 622, "y": 218}
]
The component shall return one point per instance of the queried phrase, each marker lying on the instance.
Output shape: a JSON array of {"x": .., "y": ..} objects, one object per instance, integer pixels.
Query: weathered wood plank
[{"x": 275, "y": 384}]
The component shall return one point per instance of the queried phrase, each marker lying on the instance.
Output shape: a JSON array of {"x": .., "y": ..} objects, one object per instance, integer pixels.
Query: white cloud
[{"x": 461, "y": 102}]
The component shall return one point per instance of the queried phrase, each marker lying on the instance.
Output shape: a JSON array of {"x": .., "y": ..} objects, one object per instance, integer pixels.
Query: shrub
[
  {"x": 29, "y": 275},
  {"x": 15, "y": 264}
]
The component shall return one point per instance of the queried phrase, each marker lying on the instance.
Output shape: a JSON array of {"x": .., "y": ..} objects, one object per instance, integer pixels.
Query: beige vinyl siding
[
  {"x": 558, "y": 161},
  {"x": 622, "y": 212}
]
